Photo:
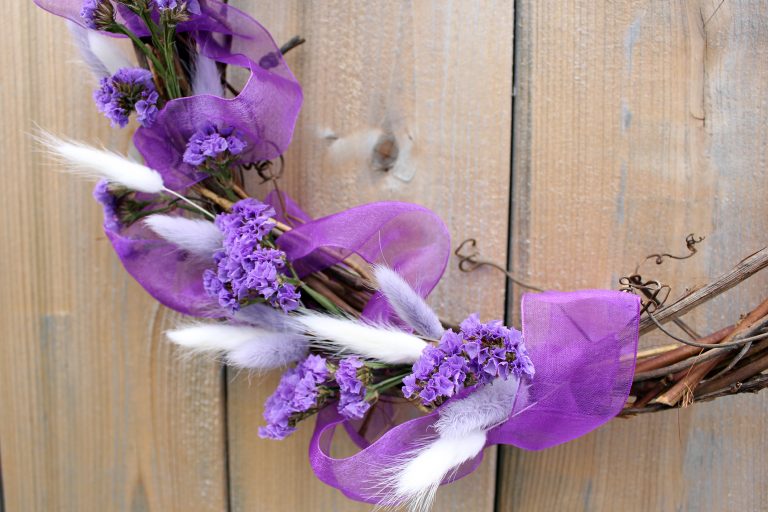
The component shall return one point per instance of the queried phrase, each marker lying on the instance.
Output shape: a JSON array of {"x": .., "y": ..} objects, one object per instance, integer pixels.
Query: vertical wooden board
[
  {"x": 637, "y": 123},
  {"x": 436, "y": 77},
  {"x": 98, "y": 412}
]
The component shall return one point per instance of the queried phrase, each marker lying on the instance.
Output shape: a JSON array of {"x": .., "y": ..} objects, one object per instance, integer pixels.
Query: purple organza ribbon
[
  {"x": 583, "y": 345},
  {"x": 265, "y": 111},
  {"x": 406, "y": 237}
]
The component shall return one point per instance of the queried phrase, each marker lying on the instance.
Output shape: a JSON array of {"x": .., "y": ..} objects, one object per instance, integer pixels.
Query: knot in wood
[{"x": 385, "y": 152}]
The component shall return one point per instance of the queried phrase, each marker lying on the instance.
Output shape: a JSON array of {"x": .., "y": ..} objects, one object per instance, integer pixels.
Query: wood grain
[
  {"x": 436, "y": 78},
  {"x": 637, "y": 123},
  {"x": 98, "y": 412}
]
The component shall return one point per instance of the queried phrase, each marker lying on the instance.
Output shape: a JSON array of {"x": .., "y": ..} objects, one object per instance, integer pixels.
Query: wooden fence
[{"x": 570, "y": 138}]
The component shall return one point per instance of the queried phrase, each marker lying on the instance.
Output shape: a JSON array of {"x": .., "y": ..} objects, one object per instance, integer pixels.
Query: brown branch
[
  {"x": 226, "y": 204},
  {"x": 681, "y": 352},
  {"x": 680, "y": 366},
  {"x": 321, "y": 288},
  {"x": 743, "y": 373},
  {"x": 239, "y": 191},
  {"x": 648, "y": 353},
  {"x": 687, "y": 385},
  {"x": 746, "y": 268}
]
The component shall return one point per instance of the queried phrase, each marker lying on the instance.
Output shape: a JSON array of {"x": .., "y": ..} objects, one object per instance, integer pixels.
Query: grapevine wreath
[{"x": 338, "y": 303}]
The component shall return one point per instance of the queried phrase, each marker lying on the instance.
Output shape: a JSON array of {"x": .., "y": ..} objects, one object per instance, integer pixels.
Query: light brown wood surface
[{"x": 637, "y": 123}]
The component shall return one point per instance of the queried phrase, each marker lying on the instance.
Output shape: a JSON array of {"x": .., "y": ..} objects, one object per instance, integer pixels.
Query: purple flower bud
[
  {"x": 166, "y": 4},
  {"x": 211, "y": 148},
  {"x": 352, "y": 391},
  {"x": 127, "y": 90},
  {"x": 98, "y": 14},
  {"x": 298, "y": 391},
  {"x": 247, "y": 270}
]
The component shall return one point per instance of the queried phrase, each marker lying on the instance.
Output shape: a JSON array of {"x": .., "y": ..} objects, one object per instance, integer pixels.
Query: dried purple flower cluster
[
  {"x": 98, "y": 14},
  {"x": 246, "y": 268},
  {"x": 128, "y": 90},
  {"x": 477, "y": 354},
  {"x": 307, "y": 387},
  {"x": 213, "y": 148},
  {"x": 191, "y": 6},
  {"x": 352, "y": 389},
  {"x": 166, "y": 4},
  {"x": 300, "y": 391},
  {"x": 109, "y": 203}
]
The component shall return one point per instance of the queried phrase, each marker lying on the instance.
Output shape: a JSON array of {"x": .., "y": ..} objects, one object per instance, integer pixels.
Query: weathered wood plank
[
  {"x": 436, "y": 76},
  {"x": 98, "y": 412},
  {"x": 637, "y": 123}
]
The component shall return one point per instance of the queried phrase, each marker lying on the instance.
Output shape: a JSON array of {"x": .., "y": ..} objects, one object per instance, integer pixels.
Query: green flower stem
[
  {"x": 389, "y": 383},
  {"x": 163, "y": 40},
  {"x": 321, "y": 299},
  {"x": 169, "y": 51},
  {"x": 122, "y": 29}
]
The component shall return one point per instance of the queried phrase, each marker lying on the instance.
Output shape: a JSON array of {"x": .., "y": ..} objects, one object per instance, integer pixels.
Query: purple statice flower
[
  {"x": 166, "y": 4},
  {"x": 352, "y": 390},
  {"x": 248, "y": 270},
  {"x": 190, "y": 6},
  {"x": 212, "y": 148},
  {"x": 127, "y": 90},
  {"x": 98, "y": 14},
  {"x": 108, "y": 202},
  {"x": 300, "y": 391},
  {"x": 476, "y": 355}
]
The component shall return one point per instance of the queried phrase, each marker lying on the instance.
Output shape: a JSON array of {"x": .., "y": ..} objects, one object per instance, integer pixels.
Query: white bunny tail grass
[
  {"x": 266, "y": 317},
  {"x": 462, "y": 427},
  {"x": 384, "y": 344},
  {"x": 413, "y": 482},
  {"x": 199, "y": 237},
  {"x": 408, "y": 305},
  {"x": 269, "y": 351},
  {"x": 481, "y": 410},
  {"x": 206, "y": 79},
  {"x": 102, "y": 54},
  {"x": 99, "y": 163},
  {"x": 242, "y": 346}
]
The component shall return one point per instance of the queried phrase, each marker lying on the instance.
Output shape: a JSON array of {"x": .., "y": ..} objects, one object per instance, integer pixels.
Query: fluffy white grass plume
[
  {"x": 413, "y": 483},
  {"x": 99, "y": 163},
  {"x": 481, "y": 410},
  {"x": 206, "y": 79},
  {"x": 242, "y": 346},
  {"x": 102, "y": 54},
  {"x": 408, "y": 305},
  {"x": 266, "y": 317},
  {"x": 199, "y": 237},
  {"x": 381, "y": 343},
  {"x": 462, "y": 430}
]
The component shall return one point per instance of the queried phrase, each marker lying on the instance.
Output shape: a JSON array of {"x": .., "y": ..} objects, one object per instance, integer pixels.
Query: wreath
[{"x": 339, "y": 303}]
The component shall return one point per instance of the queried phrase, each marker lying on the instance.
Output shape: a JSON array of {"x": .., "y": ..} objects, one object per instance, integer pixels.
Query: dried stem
[
  {"x": 656, "y": 351},
  {"x": 223, "y": 203},
  {"x": 739, "y": 273},
  {"x": 321, "y": 288},
  {"x": 687, "y": 385},
  {"x": 242, "y": 194},
  {"x": 731, "y": 378},
  {"x": 681, "y": 353}
]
